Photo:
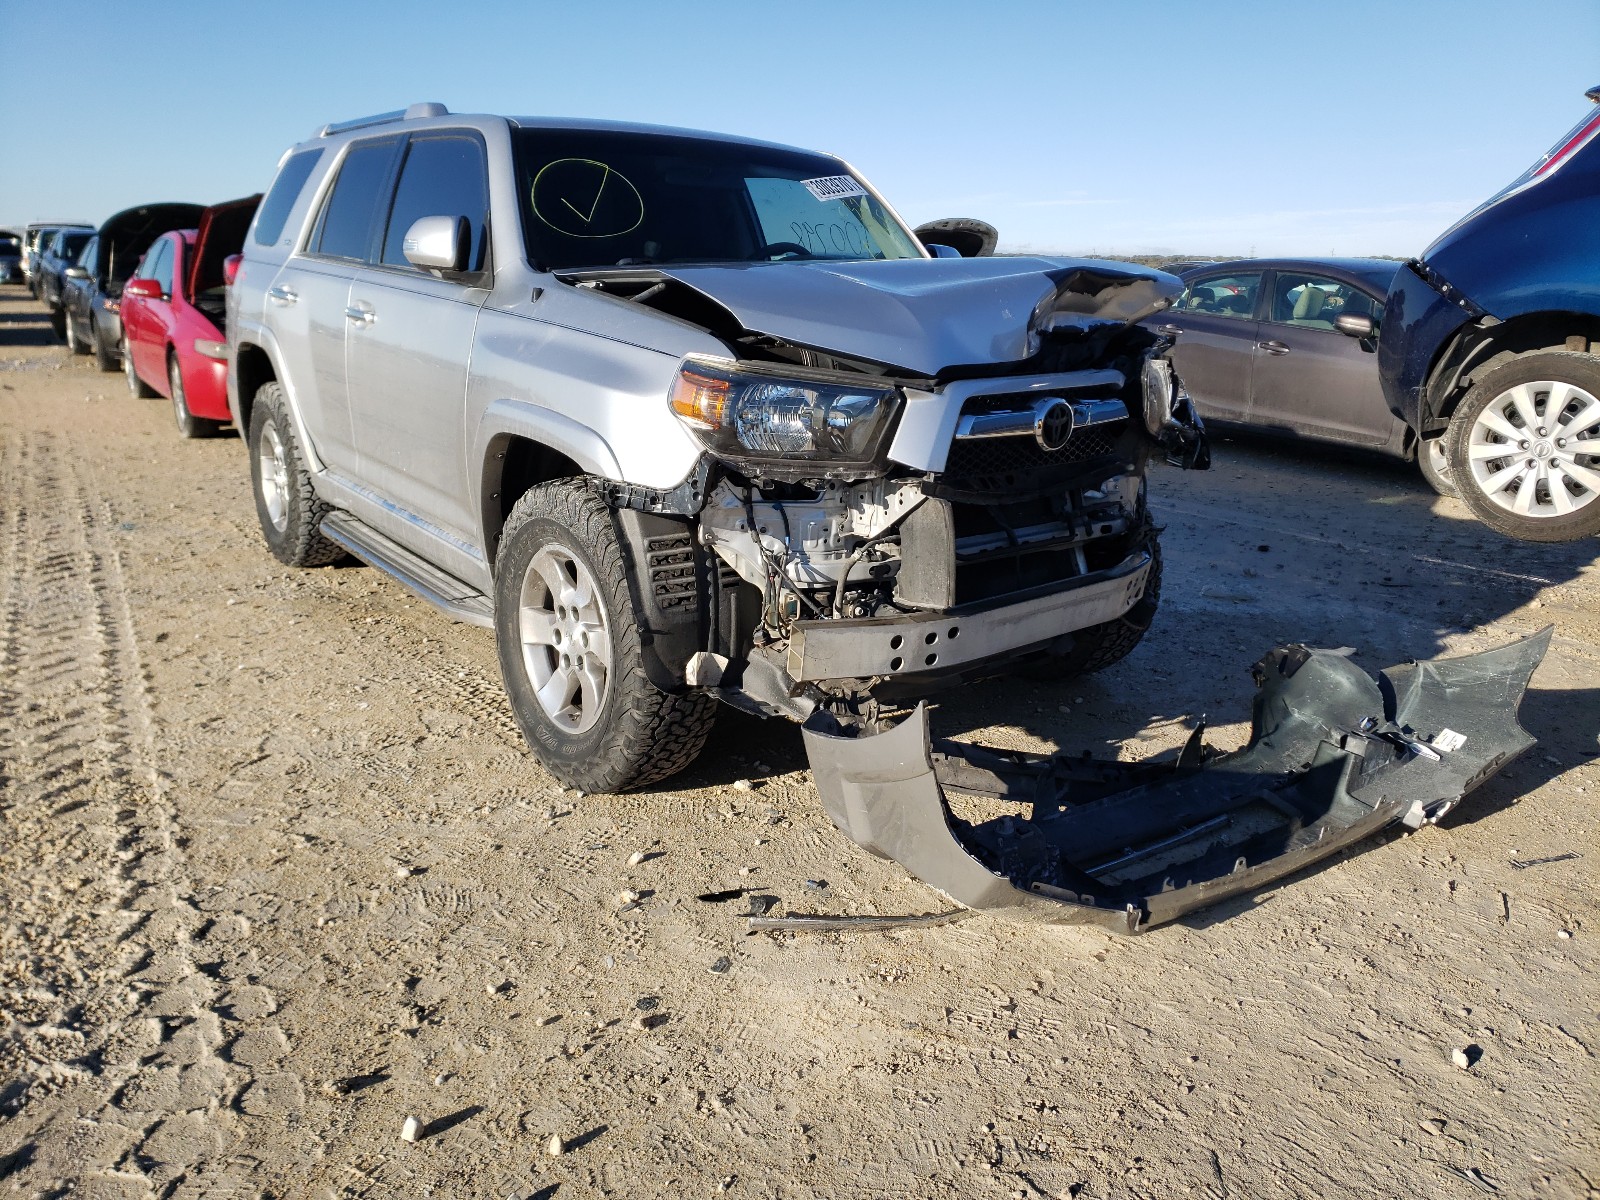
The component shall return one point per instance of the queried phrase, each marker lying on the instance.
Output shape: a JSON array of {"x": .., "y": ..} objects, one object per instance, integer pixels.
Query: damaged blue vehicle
[{"x": 691, "y": 420}]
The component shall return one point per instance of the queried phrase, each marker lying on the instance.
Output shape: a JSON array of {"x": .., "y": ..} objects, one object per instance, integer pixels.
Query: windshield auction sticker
[{"x": 834, "y": 187}]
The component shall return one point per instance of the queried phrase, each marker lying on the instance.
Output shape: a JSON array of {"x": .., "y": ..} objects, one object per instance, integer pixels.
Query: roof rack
[{"x": 414, "y": 113}]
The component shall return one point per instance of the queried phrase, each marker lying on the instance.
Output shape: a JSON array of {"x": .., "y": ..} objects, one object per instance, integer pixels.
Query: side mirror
[
  {"x": 1354, "y": 325},
  {"x": 76, "y": 273},
  {"x": 148, "y": 289},
  {"x": 438, "y": 243},
  {"x": 230, "y": 268},
  {"x": 968, "y": 237},
  {"x": 942, "y": 251}
]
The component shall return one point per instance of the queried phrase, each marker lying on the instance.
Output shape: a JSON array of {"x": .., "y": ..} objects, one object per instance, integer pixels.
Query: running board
[{"x": 459, "y": 601}]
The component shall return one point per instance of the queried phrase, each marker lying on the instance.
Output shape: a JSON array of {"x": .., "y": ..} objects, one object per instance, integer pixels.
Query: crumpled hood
[{"x": 927, "y": 315}]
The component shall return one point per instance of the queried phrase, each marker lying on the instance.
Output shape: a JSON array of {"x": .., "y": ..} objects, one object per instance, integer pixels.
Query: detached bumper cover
[{"x": 1331, "y": 760}]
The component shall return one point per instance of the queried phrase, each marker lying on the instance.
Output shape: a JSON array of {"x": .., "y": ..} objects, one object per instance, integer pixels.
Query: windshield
[{"x": 596, "y": 198}]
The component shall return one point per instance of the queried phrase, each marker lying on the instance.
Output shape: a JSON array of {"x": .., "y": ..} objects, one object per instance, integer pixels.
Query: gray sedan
[{"x": 1289, "y": 346}]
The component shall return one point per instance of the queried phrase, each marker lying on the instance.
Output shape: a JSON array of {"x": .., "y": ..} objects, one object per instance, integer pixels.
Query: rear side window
[
  {"x": 350, "y": 219},
  {"x": 275, "y": 209},
  {"x": 442, "y": 177}
]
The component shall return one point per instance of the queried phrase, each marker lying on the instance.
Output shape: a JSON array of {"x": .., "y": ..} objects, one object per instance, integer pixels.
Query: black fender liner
[{"x": 1334, "y": 756}]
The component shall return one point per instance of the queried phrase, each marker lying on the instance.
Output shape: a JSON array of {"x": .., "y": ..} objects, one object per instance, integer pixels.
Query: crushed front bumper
[
  {"x": 1334, "y": 756},
  {"x": 890, "y": 646}
]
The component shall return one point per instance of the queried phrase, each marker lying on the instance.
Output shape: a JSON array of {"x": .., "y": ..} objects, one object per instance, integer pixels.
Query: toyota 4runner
[{"x": 687, "y": 418}]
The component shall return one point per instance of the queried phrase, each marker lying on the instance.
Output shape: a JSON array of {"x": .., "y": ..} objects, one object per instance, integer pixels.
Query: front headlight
[{"x": 783, "y": 426}]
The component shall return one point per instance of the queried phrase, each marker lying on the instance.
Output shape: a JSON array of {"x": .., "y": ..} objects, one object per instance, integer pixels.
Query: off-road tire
[
  {"x": 1433, "y": 460},
  {"x": 58, "y": 321},
  {"x": 1558, "y": 366},
  {"x": 137, "y": 388},
  {"x": 642, "y": 734},
  {"x": 1104, "y": 645},
  {"x": 69, "y": 331},
  {"x": 189, "y": 425},
  {"x": 106, "y": 360},
  {"x": 297, "y": 540}
]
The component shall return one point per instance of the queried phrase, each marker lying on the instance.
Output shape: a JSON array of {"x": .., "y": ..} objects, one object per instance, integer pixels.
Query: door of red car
[
  {"x": 1311, "y": 379},
  {"x": 1215, "y": 320},
  {"x": 147, "y": 321}
]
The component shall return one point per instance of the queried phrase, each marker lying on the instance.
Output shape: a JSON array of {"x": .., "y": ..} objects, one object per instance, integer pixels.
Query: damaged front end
[{"x": 1334, "y": 756}]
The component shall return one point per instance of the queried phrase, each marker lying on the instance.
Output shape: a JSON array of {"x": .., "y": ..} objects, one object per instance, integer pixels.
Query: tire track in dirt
[{"x": 127, "y": 1049}]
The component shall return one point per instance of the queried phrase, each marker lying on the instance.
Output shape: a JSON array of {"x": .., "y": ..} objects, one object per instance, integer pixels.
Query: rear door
[
  {"x": 1310, "y": 379},
  {"x": 409, "y": 339},
  {"x": 306, "y": 303},
  {"x": 1215, "y": 320}
]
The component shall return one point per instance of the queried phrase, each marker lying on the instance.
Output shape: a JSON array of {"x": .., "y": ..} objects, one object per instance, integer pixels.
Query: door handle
[
  {"x": 1273, "y": 347},
  {"x": 1170, "y": 330},
  {"x": 360, "y": 314},
  {"x": 282, "y": 294}
]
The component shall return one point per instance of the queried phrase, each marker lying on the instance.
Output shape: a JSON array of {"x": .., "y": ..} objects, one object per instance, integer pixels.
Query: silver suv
[{"x": 688, "y": 418}]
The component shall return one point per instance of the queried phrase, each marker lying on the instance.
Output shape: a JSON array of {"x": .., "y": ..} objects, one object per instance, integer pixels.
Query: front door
[
  {"x": 1310, "y": 379},
  {"x": 409, "y": 338}
]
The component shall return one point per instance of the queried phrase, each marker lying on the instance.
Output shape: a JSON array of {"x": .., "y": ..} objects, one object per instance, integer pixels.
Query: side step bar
[
  {"x": 460, "y": 601},
  {"x": 1334, "y": 756}
]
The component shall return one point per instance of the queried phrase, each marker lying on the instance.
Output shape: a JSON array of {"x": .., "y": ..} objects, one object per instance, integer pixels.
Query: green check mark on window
[{"x": 589, "y": 216}]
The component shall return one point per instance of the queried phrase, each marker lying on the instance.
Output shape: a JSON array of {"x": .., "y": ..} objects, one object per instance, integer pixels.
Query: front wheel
[
  {"x": 567, "y": 631},
  {"x": 1524, "y": 447},
  {"x": 286, "y": 504},
  {"x": 1104, "y": 645}
]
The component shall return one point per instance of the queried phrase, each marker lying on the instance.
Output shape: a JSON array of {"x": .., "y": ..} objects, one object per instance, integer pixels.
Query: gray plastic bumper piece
[{"x": 1334, "y": 756}]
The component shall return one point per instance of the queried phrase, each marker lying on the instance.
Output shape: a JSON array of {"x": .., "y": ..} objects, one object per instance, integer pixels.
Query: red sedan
[{"x": 172, "y": 318}]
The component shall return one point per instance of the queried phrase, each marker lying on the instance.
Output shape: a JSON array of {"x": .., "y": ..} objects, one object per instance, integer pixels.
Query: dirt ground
[{"x": 276, "y": 873}]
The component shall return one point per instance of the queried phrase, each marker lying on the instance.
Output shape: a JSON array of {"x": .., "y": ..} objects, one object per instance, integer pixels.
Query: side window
[
  {"x": 147, "y": 265},
  {"x": 1222, "y": 295},
  {"x": 285, "y": 190},
  {"x": 1313, "y": 301},
  {"x": 351, "y": 217},
  {"x": 89, "y": 260},
  {"x": 161, "y": 270},
  {"x": 442, "y": 177}
]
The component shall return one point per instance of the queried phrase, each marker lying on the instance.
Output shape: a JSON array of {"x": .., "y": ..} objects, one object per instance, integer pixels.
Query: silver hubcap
[
  {"x": 1535, "y": 451},
  {"x": 1434, "y": 449},
  {"x": 274, "y": 476},
  {"x": 566, "y": 639},
  {"x": 180, "y": 406}
]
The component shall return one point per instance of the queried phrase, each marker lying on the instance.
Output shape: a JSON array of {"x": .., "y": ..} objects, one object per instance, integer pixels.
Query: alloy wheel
[
  {"x": 274, "y": 476},
  {"x": 566, "y": 638}
]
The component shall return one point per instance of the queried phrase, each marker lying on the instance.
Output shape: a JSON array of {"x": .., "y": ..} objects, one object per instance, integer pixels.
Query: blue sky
[{"x": 1348, "y": 127}]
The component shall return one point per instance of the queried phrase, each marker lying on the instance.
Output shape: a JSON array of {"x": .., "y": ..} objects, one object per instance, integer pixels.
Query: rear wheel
[
  {"x": 286, "y": 504},
  {"x": 570, "y": 654},
  {"x": 189, "y": 425},
  {"x": 1524, "y": 447},
  {"x": 58, "y": 321},
  {"x": 1434, "y": 463},
  {"x": 105, "y": 356},
  {"x": 70, "y": 332},
  {"x": 138, "y": 387}
]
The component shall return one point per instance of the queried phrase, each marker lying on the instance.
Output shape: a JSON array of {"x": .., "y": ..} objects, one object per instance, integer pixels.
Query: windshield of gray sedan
[{"x": 595, "y": 198}]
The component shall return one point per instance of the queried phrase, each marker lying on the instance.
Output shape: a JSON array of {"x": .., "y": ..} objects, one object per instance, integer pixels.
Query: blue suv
[{"x": 1491, "y": 343}]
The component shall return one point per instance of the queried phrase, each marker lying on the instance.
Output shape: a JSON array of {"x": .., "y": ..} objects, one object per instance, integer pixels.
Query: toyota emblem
[{"x": 1052, "y": 423}]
